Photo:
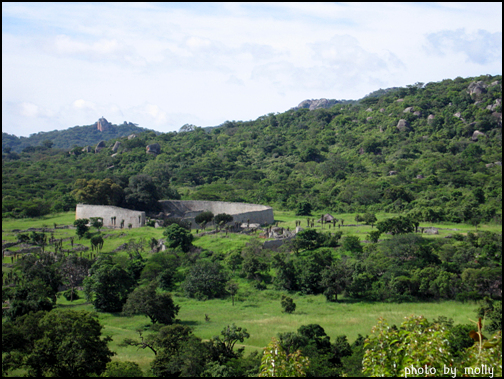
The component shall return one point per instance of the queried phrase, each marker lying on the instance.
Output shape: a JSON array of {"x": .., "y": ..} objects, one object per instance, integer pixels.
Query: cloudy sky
[{"x": 165, "y": 65}]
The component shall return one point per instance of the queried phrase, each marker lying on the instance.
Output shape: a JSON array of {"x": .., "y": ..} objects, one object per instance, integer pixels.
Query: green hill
[
  {"x": 433, "y": 150},
  {"x": 67, "y": 139}
]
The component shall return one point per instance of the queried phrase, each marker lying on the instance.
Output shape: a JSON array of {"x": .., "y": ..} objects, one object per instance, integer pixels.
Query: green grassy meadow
[{"x": 258, "y": 311}]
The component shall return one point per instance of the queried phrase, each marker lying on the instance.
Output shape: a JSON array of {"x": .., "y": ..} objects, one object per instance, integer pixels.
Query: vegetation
[{"x": 316, "y": 298}]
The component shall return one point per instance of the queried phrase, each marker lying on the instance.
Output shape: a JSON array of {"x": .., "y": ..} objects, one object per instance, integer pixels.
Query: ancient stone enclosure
[
  {"x": 241, "y": 212},
  {"x": 184, "y": 209},
  {"x": 112, "y": 216}
]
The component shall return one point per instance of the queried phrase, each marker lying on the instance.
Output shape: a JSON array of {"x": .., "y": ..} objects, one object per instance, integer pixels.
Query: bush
[{"x": 288, "y": 304}]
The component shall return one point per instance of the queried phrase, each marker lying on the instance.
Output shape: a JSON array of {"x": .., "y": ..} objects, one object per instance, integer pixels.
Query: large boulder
[
  {"x": 476, "y": 88},
  {"x": 154, "y": 149},
  {"x": 408, "y": 110},
  {"x": 116, "y": 146},
  {"x": 477, "y": 134},
  {"x": 101, "y": 145},
  {"x": 403, "y": 125},
  {"x": 315, "y": 104},
  {"x": 131, "y": 136}
]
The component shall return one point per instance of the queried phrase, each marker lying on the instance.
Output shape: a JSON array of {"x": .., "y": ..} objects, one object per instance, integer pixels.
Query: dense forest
[{"x": 431, "y": 150}]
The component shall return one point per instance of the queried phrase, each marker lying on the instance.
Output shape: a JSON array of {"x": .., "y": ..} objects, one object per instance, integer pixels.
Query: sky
[{"x": 163, "y": 65}]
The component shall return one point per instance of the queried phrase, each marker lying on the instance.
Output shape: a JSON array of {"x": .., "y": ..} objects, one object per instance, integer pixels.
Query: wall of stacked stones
[
  {"x": 107, "y": 212},
  {"x": 241, "y": 212}
]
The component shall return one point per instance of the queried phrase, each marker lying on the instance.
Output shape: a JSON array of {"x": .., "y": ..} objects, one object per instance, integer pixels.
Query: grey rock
[
  {"x": 116, "y": 146},
  {"x": 369, "y": 110},
  {"x": 408, "y": 110},
  {"x": 131, "y": 136},
  {"x": 392, "y": 173},
  {"x": 476, "y": 88},
  {"x": 101, "y": 145},
  {"x": 316, "y": 104},
  {"x": 403, "y": 125},
  {"x": 154, "y": 149},
  {"x": 477, "y": 134}
]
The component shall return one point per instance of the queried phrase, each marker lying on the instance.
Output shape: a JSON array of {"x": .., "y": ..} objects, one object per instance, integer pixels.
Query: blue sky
[{"x": 164, "y": 65}]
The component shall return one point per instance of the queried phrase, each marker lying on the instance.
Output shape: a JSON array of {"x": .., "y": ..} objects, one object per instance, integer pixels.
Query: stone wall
[
  {"x": 135, "y": 218},
  {"x": 241, "y": 212}
]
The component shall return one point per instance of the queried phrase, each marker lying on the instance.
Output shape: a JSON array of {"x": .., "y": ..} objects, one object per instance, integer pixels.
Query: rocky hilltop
[{"x": 316, "y": 104}]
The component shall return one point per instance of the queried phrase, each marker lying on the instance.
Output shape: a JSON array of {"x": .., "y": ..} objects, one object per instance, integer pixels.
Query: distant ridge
[{"x": 101, "y": 130}]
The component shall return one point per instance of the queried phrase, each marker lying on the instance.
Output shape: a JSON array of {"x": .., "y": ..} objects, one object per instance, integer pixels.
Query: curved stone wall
[
  {"x": 107, "y": 212},
  {"x": 241, "y": 212}
]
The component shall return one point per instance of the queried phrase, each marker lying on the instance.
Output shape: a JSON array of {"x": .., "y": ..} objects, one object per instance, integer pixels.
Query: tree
[
  {"x": 369, "y": 219},
  {"x": 232, "y": 288},
  {"x": 62, "y": 343},
  {"x": 29, "y": 296},
  {"x": 81, "y": 225},
  {"x": 205, "y": 280},
  {"x": 334, "y": 280},
  {"x": 109, "y": 283},
  {"x": 98, "y": 192},
  {"x": 96, "y": 222},
  {"x": 204, "y": 218},
  {"x": 277, "y": 363},
  {"x": 396, "y": 225},
  {"x": 178, "y": 236},
  {"x": 97, "y": 243},
  {"x": 352, "y": 244},
  {"x": 158, "y": 307},
  {"x": 222, "y": 219},
  {"x": 416, "y": 342},
  {"x": 304, "y": 209},
  {"x": 74, "y": 270},
  {"x": 125, "y": 369},
  {"x": 288, "y": 304},
  {"x": 142, "y": 194},
  {"x": 223, "y": 347}
]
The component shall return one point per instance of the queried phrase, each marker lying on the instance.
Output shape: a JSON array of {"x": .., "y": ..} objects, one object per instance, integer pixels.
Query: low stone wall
[
  {"x": 107, "y": 212},
  {"x": 241, "y": 212}
]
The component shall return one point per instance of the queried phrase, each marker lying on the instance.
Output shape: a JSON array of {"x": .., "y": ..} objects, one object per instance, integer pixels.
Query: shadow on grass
[{"x": 189, "y": 322}]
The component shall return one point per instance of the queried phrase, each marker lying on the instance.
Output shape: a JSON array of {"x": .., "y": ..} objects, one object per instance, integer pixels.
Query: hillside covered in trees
[
  {"x": 69, "y": 138},
  {"x": 430, "y": 150}
]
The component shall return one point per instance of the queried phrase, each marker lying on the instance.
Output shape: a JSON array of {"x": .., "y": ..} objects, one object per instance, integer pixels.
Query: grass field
[{"x": 258, "y": 311}]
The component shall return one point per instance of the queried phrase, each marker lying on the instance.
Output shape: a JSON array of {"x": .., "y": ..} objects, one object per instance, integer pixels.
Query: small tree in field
[
  {"x": 96, "y": 222},
  {"x": 81, "y": 225},
  {"x": 288, "y": 304},
  {"x": 232, "y": 288}
]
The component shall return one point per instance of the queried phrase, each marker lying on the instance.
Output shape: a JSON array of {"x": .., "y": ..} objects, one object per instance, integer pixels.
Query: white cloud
[
  {"x": 166, "y": 64},
  {"x": 479, "y": 47}
]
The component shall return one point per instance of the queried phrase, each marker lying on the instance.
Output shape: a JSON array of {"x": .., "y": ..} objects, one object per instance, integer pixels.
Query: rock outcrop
[
  {"x": 116, "y": 146},
  {"x": 101, "y": 145},
  {"x": 102, "y": 124},
  {"x": 315, "y": 104},
  {"x": 403, "y": 125},
  {"x": 476, "y": 88},
  {"x": 154, "y": 149},
  {"x": 477, "y": 134}
]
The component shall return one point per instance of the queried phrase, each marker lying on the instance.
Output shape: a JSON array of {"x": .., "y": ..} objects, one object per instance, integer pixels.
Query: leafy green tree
[
  {"x": 369, "y": 218},
  {"x": 158, "y": 307},
  {"x": 277, "y": 363},
  {"x": 205, "y": 280},
  {"x": 304, "y": 209},
  {"x": 178, "y": 236},
  {"x": 124, "y": 369},
  {"x": 142, "y": 193},
  {"x": 98, "y": 192},
  {"x": 352, "y": 244},
  {"x": 96, "y": 222},
  {"x": 222, "y": 219},
  {"x": 62, "y": 343},
  {"x": 288, "y": 304},
  {"x": 109, "y": 283},
  {"x": 396, "y": 225},
  {"x": 223, "y": 347},
  {"x": 416, "y": 342},
  {"x": 204, "y": 217},
  {"x": 334, "y": 280},
  {"x": 81, "y": 225},
  {"x": 232, "y": 288},
  {"x": 29, "y": 296}
]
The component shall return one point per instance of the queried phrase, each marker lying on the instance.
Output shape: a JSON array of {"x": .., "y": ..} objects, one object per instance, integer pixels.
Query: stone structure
[
  {"x": 241, "y": 212},
  {"x": 112, "y": 216},
  {"x": 102, "y": 124}
]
